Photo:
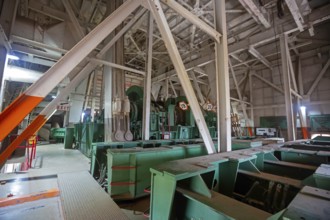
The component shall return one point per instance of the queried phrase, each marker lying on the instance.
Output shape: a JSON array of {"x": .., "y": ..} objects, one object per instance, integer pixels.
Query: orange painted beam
[
  {"x": 250, "y": 131},
  {"x": 36, "y": 124},
  {"x": 16, "y": 112},
  {"x": 304, "y": 132},
  {"x": 29, "y": 198}
]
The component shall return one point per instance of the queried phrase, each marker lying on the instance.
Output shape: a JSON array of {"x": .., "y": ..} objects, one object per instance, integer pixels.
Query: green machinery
[
  {"x": 106, "y": 157},
  {"x": 259, "y": 181},
  {"x": 255, "y": 183},
  {"x": 167, "y": 121},
  {"x": 170, "y": 120},
  {"x": 314, "y": 152},
  {"x": 87, "y": 133},
  {"x": 131, "y": 155},
  {"x": 57, "y": 134},
  {"x": 128, "y": 169}
]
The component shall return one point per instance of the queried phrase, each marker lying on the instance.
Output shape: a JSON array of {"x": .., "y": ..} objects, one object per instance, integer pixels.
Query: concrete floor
[{"x": 51, "y": 160}]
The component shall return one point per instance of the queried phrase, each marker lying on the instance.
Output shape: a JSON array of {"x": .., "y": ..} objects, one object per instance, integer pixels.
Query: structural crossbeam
[
  {"x": 158, "y": 14},
  {"x": 26, "y": 102}
]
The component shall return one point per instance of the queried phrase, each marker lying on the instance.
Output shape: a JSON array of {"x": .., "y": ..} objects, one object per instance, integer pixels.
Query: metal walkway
[{"x": 82, "y": 198}]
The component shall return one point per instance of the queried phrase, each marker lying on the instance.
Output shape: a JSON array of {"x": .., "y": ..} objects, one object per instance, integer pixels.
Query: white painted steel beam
[
  {"x": 324, "y": 102},
  {"x": 147, "y": 83},
  {"x": 96, "y": 72},
  {"x": 106, "y": 47},
  {"x": 276, "y": 87},
  {"x": 73, "y": 19},
  {"x": 238, "y": 91},
  {"x": 173, "y": 89},
  {"x": 124, "y": 29},
  {"x": 4, "y": 40},
  {"x": 256, "y": 13},
  {"x": 260, "y": 57},
  {"x": 197, "y": 89},
  {"x": 317, "y": 16},
  {"x": 89, "y": 88},
  {"x": 166, "y": 88},
  {"x": 251, "y": 99},
  {"x": 287, "y": 88},
  {"x": 298, "y": 18},
  {"x": 165, "y": 31},
  {"x": 50, "y": 109},
  {"x": 267, "y": 82},
  {"x": 319, "y": 77},
  {"x": 300, "y": 80},
  {"x": 103, "y": 62},
  {"x": 35, "y": 52},
  {"x": 62, "y": 68},
  {"x": 15, "y": 38},
  {"x": 3, "y": 67},
  {"x": 293, "y": 92},
  {"x": 240, "y": 101},
  {"x": 72, "y": 58},
  {"x": 222, "y": 77},
  {"x": 193, "y": 19},
  {"x": 7, "y": 18},
  {"x": 293, "y": 77}
]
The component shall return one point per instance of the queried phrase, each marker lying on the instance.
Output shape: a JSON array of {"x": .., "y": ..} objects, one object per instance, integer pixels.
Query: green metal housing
[
  {"x": 57, "y": 134},
  {"x": 86, "y": 134},
  {"x": 128, "y": 169},
  {"x": 208, "y": 186}
]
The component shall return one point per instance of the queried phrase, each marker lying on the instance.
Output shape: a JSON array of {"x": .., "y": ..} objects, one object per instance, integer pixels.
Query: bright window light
[
  {"x": 12, "y": 57},
  {"x": 315, "y": 135},
  {"x": 303, "y": 109}
]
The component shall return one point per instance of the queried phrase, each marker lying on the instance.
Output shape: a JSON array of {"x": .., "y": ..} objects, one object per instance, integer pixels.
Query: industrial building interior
[{"x": 164, "y": 109}]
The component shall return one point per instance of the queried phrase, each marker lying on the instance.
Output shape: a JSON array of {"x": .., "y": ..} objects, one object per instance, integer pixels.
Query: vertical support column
[
  {"x": 223, "y": 91},
  {"x": 174, "y": 54},
  {"x": 300, "y": 80},
  {"x": 120, "y": 121},
  {"x": 3, "y": 63},
  {"x": 77, "y": 102},
  {"x": 147, "y": 83},
  {"x": 88, "y": 91},
  {"x": 166, "y": 88},
  {"x": 107, "y": 89},
  {"x": 8, "y": 16},
  {"x": 303, "y": 121},
  {"x": 302, "y": 109},
  {"x": 26, "y": 102},
  {"x": 238, "y": 92},
  {"x": 251, "y": 99},
  {"x": 211, "y": 73},
  {"x": 47, "y": 112},
  {"x": 73, "y": 19},
  {"x": 173, "y": 89},
  {"x": 287, "y": 87},
  {"x": 96, "y": 72},
  {"x": 109, "y": 83},
  {"x": 197, "y": 89}
]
